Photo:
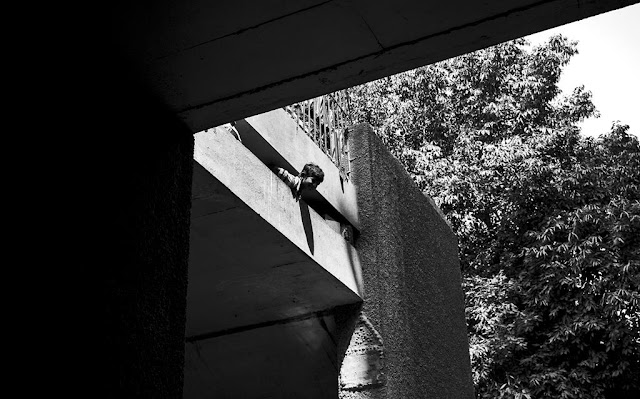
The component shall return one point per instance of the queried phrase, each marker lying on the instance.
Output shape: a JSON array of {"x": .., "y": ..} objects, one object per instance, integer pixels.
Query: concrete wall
[
  {"x": 139, "y": 234},
  {"x": 413, "y": 294}
]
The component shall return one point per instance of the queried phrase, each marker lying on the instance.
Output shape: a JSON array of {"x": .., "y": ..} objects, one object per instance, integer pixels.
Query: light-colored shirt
[{"x": 290, "y": 180}]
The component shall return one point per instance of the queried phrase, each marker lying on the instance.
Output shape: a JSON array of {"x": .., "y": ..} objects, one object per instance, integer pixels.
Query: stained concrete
[{"x": 411, "y": 272}]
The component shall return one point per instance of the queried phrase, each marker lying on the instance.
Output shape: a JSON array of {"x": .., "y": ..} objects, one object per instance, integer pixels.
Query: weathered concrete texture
[
  {"x": 363, "y": 364},
  {"x": 411, "y": 274},
  {"x": 140, "y": 230}
]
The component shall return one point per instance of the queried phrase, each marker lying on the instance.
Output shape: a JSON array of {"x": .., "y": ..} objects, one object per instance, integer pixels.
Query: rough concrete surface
[{"x": 413, "y": 293}]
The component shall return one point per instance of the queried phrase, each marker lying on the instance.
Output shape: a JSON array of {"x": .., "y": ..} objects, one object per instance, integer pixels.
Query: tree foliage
[{"x": 548, "y": 220}]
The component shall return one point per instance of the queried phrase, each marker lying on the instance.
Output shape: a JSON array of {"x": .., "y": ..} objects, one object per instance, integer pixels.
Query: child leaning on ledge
[{"x": 309, "y": 178}]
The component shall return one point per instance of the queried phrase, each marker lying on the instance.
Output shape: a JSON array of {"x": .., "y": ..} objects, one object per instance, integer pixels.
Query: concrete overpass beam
[{"x": 256, "y": 254}]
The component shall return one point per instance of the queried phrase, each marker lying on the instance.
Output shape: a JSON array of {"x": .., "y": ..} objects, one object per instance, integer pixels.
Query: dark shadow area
[
  {"x": 306, "y": 223},
  {"x": 316, "y": 201},
  {"x": 141, "y": 169}
]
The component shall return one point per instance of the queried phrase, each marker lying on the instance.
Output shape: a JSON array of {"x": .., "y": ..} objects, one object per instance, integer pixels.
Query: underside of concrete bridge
[{"x": 212, "y": 62}]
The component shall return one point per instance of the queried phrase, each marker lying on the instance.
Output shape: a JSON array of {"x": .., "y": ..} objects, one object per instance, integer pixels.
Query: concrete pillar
[
  {"x": 141, "y": 163},
  {"x": 412, "y": 283}
]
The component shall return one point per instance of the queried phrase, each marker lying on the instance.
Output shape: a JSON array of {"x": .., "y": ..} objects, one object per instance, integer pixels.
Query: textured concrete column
[
  {"x": 412, "y": 283},
  {"x": 142, "y": 159}
]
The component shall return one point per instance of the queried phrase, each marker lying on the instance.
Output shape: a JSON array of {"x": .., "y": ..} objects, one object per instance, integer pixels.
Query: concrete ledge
[{"x": 257, "y": 254}]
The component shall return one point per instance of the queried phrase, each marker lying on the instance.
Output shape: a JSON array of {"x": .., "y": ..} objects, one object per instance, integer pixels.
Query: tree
[{"x": 548, "y": 221}]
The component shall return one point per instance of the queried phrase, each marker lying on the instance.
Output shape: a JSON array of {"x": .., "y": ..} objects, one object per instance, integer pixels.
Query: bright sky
[{"x": 607, "y": 63}]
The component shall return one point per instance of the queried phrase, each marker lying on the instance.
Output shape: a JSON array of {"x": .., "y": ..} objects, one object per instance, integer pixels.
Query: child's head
[{"x": 311, "y": 176}]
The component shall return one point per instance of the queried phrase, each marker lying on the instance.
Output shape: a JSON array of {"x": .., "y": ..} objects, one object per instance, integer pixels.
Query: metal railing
[{"x": 325, "y": 120}]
